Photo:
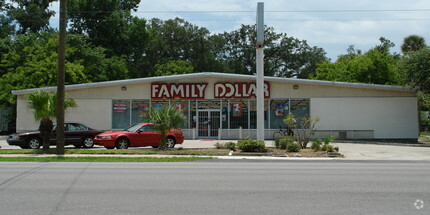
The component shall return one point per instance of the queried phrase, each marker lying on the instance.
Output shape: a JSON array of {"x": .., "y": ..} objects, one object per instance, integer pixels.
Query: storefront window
[
  {"x": 239, "y": 113},
  {"x": 120, "y": 114},
  {"x": 225, "y": 114},
  {"x": 193, "y": 114},
  {"x": 182, "y": 105},
  {"x": 159, "y": 104},
  {"x": 279, "y": 110},
  {"x": 300, "y": 108},
  {"x": 140, "y": 110}
]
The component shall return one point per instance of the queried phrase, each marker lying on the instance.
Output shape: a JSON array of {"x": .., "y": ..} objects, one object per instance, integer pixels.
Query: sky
[{"x": 333, "y": 25}]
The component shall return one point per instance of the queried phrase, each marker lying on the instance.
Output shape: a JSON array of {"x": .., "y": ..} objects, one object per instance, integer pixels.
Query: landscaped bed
[
  {"x": 192, "y": 152},
  {"x": 99, "y": 159}
]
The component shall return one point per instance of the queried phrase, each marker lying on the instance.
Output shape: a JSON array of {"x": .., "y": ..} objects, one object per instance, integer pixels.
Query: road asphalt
[{"x": 351, "y": 150}]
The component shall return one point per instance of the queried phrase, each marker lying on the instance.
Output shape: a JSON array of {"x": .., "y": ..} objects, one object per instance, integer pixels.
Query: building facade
[{"x": 223, "y": 106}]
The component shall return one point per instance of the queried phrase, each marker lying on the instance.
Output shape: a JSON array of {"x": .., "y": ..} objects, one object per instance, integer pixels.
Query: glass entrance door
[{"x": 208, "y": 123}]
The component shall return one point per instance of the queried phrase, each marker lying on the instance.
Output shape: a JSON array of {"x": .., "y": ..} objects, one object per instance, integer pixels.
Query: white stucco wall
[
  {"x": 96, "y": 113},
  {"x": 389, "y": 117},
  {"x": 25, "y": 117}
]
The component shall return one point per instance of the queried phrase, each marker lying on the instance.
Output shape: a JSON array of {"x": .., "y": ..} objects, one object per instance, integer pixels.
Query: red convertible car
[{"x": 138, "y": 135}]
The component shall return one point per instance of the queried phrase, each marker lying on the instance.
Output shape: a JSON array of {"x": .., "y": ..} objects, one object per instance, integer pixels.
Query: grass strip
[
  {"x": 99, "y": 159},
  {"x": 192, "y": 152}
]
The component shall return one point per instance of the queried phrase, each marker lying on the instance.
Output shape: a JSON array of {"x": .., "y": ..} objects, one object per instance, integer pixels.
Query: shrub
[
  {"x": 316, "y": 145},
  {"x": 219, "y": 145},
  {"x": 336, "y": 149},
  {"x": 303, "y": 128},
  {"x": 283, "y": 142},
  {"x": 230, "y": 145},
  {"x": 251, "y": 145},
  {"x": 327, "y": 140},
  {"x": 329, "y": 148},
  {"x": 293, "y": 147},
  {"x": 324, "y": 147},
  {"x": 277, "y": 143}
]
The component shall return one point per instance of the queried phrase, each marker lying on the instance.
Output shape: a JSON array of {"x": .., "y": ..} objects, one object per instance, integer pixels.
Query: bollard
[
  {"x": 219, "y": 133},
  {"x": 194, "y": 133}
]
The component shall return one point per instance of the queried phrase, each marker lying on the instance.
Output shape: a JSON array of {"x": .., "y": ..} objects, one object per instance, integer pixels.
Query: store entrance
[{"x": 208, "y": 123}]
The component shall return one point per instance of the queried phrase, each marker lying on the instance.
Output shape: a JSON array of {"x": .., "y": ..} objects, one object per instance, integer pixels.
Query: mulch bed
[{"x": 282, "y": 153}]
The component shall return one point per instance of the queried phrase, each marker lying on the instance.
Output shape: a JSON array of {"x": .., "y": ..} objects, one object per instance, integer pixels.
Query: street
[{"x": 216, "y": 187}]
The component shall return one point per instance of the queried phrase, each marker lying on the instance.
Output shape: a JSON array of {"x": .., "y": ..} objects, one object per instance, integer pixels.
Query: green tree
[
  {"x": 97, "y": 66},
  {"x": 283, "y": 56},
  {"x": 32, "y": 16},
  {"x": 44, "y": 107},
  {"x": 30, "y": 61},
  {"x": 412, "y": 43},
  {"x": 169, "y": 117},
  {"x": 109, "y": 24},
  {"x": 174, "y": 67},
  {"x": 7, "y": 27},
  {"x": 376, "y": 66},
  {"x": 416, "y": 67},
  {"x": 104, "y": 21},
  {"x": 177, "y": 39}
]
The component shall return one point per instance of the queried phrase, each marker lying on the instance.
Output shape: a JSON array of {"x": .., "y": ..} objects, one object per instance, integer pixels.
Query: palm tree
[
  {"x": 167, "y": 118},
  {"x": 412, "y": 43},
  {"x": 44, "y": 105}
]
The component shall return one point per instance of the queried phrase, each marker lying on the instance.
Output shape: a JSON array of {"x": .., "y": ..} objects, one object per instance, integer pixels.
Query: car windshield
[{"x": 133, "y": 128}]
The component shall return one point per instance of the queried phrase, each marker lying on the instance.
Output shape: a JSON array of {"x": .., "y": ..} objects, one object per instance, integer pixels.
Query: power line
[
  {"x": 249, "y": 11},
  {"x": 286, "y": 11},
  {"x": 288, "y": 20}
]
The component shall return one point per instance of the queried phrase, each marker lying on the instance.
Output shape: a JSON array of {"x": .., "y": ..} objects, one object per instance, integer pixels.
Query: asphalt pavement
[
  {"x": 216, "y": 187},
  {"x": 351, "y": 151}
]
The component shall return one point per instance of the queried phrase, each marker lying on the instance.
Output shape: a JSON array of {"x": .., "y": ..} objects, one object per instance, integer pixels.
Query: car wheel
[
  {"x": 170, "y": 142},
  {"x": 34, "y": 143},
  {"x": 122, "y": 143},
  {"x": 88, "y": 142}
]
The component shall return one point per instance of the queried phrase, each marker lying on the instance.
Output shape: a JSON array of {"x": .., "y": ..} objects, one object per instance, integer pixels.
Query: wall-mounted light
[
  {"x": 296, "y": 87},
  {"x": 123, "y": 88}
]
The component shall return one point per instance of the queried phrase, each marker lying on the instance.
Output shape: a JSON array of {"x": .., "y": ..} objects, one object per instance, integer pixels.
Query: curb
[{"x": 227, "y": 157}]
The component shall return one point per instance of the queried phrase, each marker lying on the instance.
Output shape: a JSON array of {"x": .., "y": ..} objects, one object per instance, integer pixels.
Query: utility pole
[
  {"x": 260, "y": 70},
  {"x": 61, "y": 77}
]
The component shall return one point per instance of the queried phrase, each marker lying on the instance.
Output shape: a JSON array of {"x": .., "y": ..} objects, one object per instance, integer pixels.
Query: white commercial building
[{"x": 219, "y": 105}]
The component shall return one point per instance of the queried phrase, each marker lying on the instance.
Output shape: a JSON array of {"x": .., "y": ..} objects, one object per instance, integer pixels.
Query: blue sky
[{"x": 330, "y": 24}]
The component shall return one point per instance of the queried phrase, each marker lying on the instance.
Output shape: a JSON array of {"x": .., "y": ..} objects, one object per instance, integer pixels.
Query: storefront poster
[
  {"x": 120, "y": 107},
  {"x": 237, "y": 109},
  {"x": 158, "y": 107},
  {"x": 180, "y": 107},
  {"x": 142, "y": 110},
  {"x": 279, "y": 110},
  {"x": 286, "y": 108}
]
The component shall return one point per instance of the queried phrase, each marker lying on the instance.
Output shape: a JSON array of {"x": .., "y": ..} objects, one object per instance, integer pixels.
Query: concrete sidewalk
[{"x": 351, "y": 151}]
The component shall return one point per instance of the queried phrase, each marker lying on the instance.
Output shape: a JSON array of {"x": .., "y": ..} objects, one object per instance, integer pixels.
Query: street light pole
[{"x": 260, "y": 70}]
